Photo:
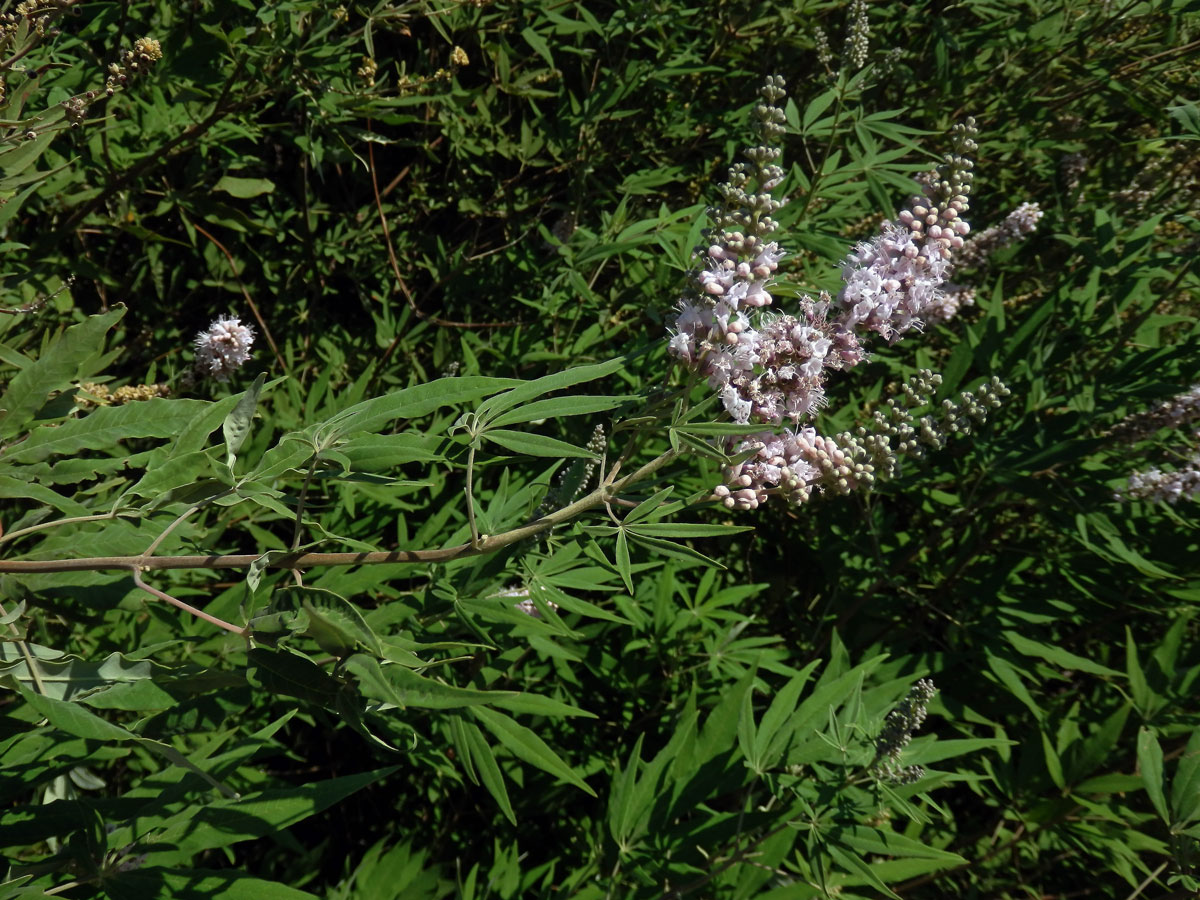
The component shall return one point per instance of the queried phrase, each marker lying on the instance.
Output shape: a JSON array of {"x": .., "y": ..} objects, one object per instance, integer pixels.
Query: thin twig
[
  {"x": 149, "y": 551},
  {"x": 471, "y": 497},
  {"x": 186, "y": 607},
  {"x": 387, "y": 239},
  {"x": 1147, "y": 882},
  {"x": 301, "y": 502},
  {"x": 487, "y": 544},
  {"x": 70, "y": 520},
  {"x": 30, "y": 661}
]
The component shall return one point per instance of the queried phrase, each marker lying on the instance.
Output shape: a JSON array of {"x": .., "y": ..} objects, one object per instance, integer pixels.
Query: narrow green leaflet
[
  {"x": 487, "y": 768},
  {"x": 236, "y": 426},
  {"x": 572, "y": 603},
  {"x": 491, "y": 409},
  {"x": 1057, "y": 656},
  {"x": 1185, "y": 785},
  {"x": 535, "y": 444},
  {"x": 685, "y": 530},
  {"x": 74, "y": 719},
  {"x": 20, "y": 489},
  {"x": 621, "y": 810},
  {"x": 623, "y": 563},
  {"x": 1150, "y": 761},
  {"x": 409, "y": 403},
  {"x": 772, "y": 737},
  {"x": 402, "y": 687},
  {"x": 526, "y": 745},
  {"x": 537, "y": 705},
  {"x": 384, "y": 452},
  {"x": 557, "y": 407},
  {"x": 173, "y": 473}
]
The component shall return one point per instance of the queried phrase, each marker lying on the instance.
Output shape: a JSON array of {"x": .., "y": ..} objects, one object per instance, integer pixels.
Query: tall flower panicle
[
  {"x": 823, "y": 50},
  {"x": 976, "y": 251},
  {"x": 1177, "y": 412},
  {"x": 858, "y": 35},
  {"x": 223, "y": 348},
  {"x": 794, "y": 464},
  {"x": 897, "y": 732},
  {"x": 1180, "y": 483},
  {"x": 1021, "y": 221},
  {"x": 713, "y": 332}
]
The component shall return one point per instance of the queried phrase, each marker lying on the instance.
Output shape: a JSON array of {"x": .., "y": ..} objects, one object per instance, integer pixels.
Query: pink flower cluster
[
  {"x": 769, "y": 373},
  {"x": 789, "y": 464},
  {"x": 1021, "y": 221},
  {"x": 1182, "y": 483},
  {"x": 774, "y": 369},
  {"x": 892, "y": 280},
  {"x": 223, "y": 348},
  {"x": 771, "y": 367}
]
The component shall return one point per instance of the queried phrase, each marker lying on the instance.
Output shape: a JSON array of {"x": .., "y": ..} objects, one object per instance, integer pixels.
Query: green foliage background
[{"x": 696, "y": 715}]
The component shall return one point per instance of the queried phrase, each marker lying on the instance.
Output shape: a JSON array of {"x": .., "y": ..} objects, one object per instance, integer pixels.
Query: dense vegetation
[{"x": 460, "y": 232}]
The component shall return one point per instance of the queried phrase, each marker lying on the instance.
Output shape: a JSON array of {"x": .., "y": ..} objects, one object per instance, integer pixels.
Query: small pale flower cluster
[
  {"x": 93, "y": 394},
  {"x": 145, "y": 53},
  {"x": 897, "y": 732},
  {"x": 889, "y": 61},
  {"x": 76, "y": 108},
  {"x": 1071, "y": 169},
  {"x": 1021, "y": 221},
  {"x": 1182, "y": 483},
  {"x": 526, "y": 605},
  {"x": 794, "y": 464},
  {"x": 1178, "y": 412},
  {"x": 223, "y": 348},
  {"x": 366, "y": 71},
  {"x": 39, "y": 14},
  {"x": 976, "y": 251},
  {"x": 823, "y": 50},
  {"x": 858, "y": 34}
]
